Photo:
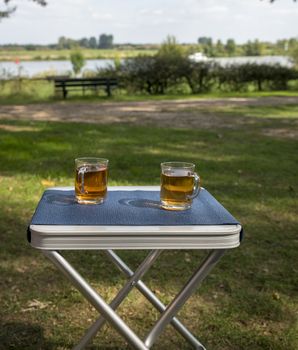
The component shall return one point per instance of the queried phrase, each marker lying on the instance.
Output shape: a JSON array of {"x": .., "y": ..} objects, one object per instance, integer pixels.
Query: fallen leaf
[
  {"x": 275, "y": 296},
  {"x": 36, "y": 305},
  {"x": 187, "y": 258}
]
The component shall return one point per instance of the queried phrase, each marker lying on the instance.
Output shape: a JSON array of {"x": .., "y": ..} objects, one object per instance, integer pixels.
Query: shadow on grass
[
  {"x": 25, "y": 336},
  {"x": 253, "y": 175},
  {"x": 136, "y": 152}
]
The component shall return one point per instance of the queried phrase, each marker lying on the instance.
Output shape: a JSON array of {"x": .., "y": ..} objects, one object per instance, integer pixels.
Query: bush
[
  {"x": 138, "y": 74},
  {"x": 78, "y": 61},
  {"x": 168, "y": 70},
  {"x": 200, "y": 76},
  {"x": 263, "y": 76},
  {"x": 281, "y": 76}
]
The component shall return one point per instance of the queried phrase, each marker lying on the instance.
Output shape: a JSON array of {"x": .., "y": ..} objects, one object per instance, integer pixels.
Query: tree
[
  {"x": 67, "y": 43},
  {"x": 204, "y": 40},
  {"x": 77, "y": 60},
  {"x": 220, "y": 49},
  {"x": 92, "y": 43},
  {"x": 84, "y": 42},
  {"x": 170, "y": 48},
  {"x": 253, "y": 48},
  {"x": 231, "y": 47},
  {"x": 168, "y": 64},
  {"x": 158, "y": 73},
  {"x": 9, "y": 10},
  {"x": 200, "y": 76},
  {"x": 294, "y": 56},
  {"x": 206, "y": 45},
  {"x": 105, "y": 41},
  {"x": 62, "y": 42}
]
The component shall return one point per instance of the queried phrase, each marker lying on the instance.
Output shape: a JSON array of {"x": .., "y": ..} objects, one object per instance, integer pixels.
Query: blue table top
[{"x": 129, "y": 208}]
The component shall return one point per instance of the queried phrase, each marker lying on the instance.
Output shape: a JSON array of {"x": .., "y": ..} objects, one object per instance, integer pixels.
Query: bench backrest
[{"x": 85, "y": 82}]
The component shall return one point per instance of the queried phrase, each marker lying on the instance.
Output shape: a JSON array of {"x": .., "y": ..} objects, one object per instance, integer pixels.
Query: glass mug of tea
[
  {"x": 91, "y": 179},
  {"x": 179, "y": 185}
]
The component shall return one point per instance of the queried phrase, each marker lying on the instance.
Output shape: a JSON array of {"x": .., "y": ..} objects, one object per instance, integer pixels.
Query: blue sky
[{"x": 150, "y": 21}]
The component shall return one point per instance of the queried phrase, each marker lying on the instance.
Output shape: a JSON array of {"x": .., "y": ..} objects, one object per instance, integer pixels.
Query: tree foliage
[
  {"x": 231, "y": 47},
  {"x": 92, "y": 43},
  {"x": 160, "y": 74},
  {"x": 77, "y": 60},
  {"x": 170, "y": 68},
  {"x": 105, "y": 41},
  {"x": 8, "y": 10},
  {"x": 294, "y": 56}
]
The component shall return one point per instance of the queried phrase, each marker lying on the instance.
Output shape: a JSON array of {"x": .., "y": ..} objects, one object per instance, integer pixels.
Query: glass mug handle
[
  {"x": 82, "y": 173},
  {"x": 196, "y": 187}
]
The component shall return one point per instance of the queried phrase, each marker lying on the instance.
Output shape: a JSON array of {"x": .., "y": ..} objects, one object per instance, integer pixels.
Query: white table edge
[{"x": 134, "y": 237}]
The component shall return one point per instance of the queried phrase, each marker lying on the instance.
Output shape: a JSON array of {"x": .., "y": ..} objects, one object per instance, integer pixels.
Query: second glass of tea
[
  {"x": 180, "y": 184},
  {"x": 91, "y": 180}
]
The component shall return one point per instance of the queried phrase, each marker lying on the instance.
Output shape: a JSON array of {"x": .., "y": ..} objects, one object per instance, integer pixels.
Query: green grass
[
  {"x": 250, "y": 299},
  {"x": 29, "y": 91},
  {"x": 264, "y": 112},
  {"x": 267, "y": 111},
  {"x": 51, "y": 54},
  {"x": 26, "y": 91}
]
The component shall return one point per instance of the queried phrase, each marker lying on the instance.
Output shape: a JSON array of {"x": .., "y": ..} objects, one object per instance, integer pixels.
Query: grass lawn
[
  {"x": 250, "y": 299},
  {"x": 29, "y": 91}
]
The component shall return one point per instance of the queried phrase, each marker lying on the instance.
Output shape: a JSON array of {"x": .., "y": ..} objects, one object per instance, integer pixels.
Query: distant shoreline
[
  {"x": 7, "y": 55},
  {"x": 13, "y": 55}
]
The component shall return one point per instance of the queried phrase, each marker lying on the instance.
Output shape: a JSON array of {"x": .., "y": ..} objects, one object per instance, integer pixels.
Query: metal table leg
[
  {"x": 108, "y": 313},
  {"x": 100, "y": 305},
  {"x": 184, "y": 294},
  {"x": 150, "y": 296},
  {"x": 129, "y": 285}
]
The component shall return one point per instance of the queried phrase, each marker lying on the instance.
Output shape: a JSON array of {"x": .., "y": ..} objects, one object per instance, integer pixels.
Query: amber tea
[
  {"x": 179, "y": 185},
  {"x": 91, "y": 180}
]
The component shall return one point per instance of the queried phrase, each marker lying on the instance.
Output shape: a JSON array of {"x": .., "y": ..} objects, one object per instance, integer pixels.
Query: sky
[{"x": 150, "y": 21}]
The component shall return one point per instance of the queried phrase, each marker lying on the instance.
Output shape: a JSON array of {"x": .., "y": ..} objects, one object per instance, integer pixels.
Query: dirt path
[{"x": 176, "y": 113}]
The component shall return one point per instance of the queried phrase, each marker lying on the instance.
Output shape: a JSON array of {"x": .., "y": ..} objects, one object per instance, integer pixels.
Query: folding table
[{"x": 131, "y": 218}]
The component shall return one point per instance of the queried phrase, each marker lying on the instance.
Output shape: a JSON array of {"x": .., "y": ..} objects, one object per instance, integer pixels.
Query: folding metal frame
[{"x": 108, "y": 313}]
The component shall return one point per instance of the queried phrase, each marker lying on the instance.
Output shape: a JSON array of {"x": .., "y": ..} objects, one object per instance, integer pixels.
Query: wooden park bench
[{"x": 65, "y": 85}]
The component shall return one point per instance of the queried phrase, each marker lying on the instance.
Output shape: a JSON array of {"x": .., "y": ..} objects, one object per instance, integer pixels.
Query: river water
[
  {"x": 52, "y": 68},
  {"x": 47, "y": 68}
]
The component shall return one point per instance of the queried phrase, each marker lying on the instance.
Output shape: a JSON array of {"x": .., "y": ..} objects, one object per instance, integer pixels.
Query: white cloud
[
  {"x": 102, "y": 16},
  {"x": 286, "y": 12},
  {"x": 143, "y": 11},
  {"x": 151, "y": 20},
  {"x": 215, "y": 9}
]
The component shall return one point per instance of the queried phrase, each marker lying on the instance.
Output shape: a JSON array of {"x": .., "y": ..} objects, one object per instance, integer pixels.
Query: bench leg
[
  {"x": 109, "y": 90},
  {"x": 64, "y": 92}
]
